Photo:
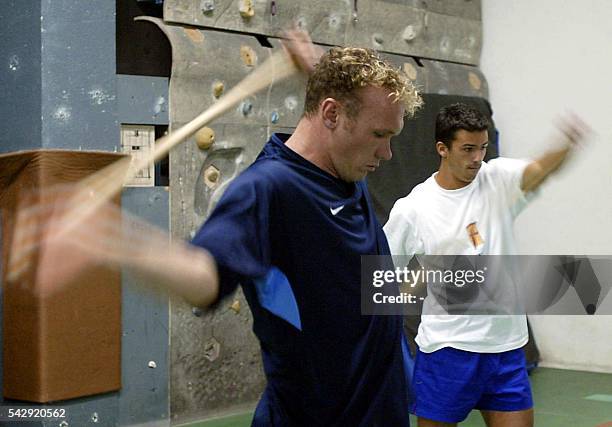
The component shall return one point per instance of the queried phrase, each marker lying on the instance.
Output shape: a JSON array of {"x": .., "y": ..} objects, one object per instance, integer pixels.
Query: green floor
[{"x": 562, "y": 399}]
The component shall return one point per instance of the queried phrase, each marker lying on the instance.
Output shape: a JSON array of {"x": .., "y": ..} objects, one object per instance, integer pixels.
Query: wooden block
[{"x": 66, "y": 345}]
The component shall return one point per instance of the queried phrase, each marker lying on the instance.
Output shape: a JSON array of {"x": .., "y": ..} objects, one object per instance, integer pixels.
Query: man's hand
[
  {"x": 299, "y": 46},
  {"x": 573, "y": 132},
  {"x": 63, "y": 252}
]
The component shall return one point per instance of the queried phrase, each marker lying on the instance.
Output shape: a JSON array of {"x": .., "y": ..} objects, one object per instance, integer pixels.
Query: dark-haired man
[{"x": 466, "y": 208}]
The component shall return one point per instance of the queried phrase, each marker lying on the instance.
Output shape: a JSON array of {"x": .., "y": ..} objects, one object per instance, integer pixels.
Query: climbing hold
[
  {"x": 218, "y": 88},
  {"x": 205, "y": 137},
  {"x": 410, "y": 71},
  {"x": 409, "y": 34},
  {"x": 246, "y": 107},
  {"x": 291, "y": 103},
  {"x": 474, "y": 80},
  {"x": 212, "y": 349},
  {"x": 248, "y": 55},
  {"x": 235, "y": 306},
  {"x": 334, "y": 21},
  {"x": 246, "y": 9},
  {"x": 445, "y": 44},
  {"x": 208, "y": 6},
  {"x": 211, "y": 176},
  {"x": 194, "y": 35}
]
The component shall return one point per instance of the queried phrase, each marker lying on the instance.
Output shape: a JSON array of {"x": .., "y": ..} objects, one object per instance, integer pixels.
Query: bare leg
[
  {"x": 424, "y": 422},
  {"x": 508, "y": 419}
]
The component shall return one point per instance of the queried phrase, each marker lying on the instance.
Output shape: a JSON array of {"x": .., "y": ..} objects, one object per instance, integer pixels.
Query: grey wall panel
[
  {"x": 98, "y": 411},
  {"x": 215, "y": 359},
  {"x": 36, "y": 42},
  {"x": 67, "y": 98},
  {"x": 434, "y": 29},
  {"x": 445, "y": 78},
  {"x": 145, "y": 342},
  {"x": 216, "y": 362},
  {"x": 78, "y": 75},
  {"x": 19, "y": 84},
  {"x": 203, "y": 59},
  {"x": 142, "y": 99},
  {"x": 95, "y": 411},
  {"x": 20, "y": 80},
  {"x": 470, "y": 9}
]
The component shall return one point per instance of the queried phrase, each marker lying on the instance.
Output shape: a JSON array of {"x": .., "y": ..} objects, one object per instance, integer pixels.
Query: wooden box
[{"x": 68, "y": 344}]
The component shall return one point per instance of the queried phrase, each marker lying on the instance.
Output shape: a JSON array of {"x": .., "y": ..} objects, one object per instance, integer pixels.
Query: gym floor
[{"x": 562, "y": 399}]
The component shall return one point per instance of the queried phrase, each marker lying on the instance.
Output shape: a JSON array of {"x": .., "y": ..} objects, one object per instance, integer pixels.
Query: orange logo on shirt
[{"x": 475, "y": 236}]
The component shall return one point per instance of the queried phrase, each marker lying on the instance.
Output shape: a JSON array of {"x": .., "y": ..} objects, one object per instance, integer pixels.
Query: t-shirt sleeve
[
  {"x": 236, "y": 233},
  {"x": 401, "y": 230},
  {"x": 509, "y": 175}
]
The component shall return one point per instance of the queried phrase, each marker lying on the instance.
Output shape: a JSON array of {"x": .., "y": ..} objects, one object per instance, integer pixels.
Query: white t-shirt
[{"x": 434, "y": 221}]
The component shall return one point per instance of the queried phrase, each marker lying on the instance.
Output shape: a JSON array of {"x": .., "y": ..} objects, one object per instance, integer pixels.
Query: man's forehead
[{"x": 472, "y": 137}]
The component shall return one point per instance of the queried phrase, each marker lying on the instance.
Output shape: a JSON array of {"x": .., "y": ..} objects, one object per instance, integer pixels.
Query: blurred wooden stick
[{"x": 94, "y": 191}]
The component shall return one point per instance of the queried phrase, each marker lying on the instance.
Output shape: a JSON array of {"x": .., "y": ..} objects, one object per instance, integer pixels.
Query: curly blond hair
[{"x": 342, "y": 71}]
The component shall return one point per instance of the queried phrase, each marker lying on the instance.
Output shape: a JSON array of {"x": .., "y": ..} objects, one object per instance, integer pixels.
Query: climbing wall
[
  {"x": 448, "y": 30},
  {"x": 215, "y": 358}
]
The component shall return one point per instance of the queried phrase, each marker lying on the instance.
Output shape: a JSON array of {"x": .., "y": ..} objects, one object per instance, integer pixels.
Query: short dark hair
[{"x": 458, "y": 116}]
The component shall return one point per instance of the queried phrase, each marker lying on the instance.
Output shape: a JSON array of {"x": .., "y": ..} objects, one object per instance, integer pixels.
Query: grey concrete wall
[
  {"x": 57, "y": 77},
  {"x": 79, "y": 106},
  {"x": 60, "y": 90},
  {"x": 145, "y": 316},
  {"x": 142, "y": 100},
  {"x": 20, "y": 75},
  {"x": 448, "y": 30}
]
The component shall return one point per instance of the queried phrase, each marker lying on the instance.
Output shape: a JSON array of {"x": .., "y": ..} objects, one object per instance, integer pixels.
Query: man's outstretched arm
[
  {"x": 573, "y": 130},
  {"x": 111, "y": 238}
]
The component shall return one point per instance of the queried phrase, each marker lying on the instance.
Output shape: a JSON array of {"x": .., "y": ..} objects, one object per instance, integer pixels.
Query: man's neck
[
  {"x": 310, "y": 143},
  {"x": 445, "y": 179}
]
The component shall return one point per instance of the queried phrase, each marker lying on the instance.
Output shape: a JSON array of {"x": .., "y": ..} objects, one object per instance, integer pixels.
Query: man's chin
[
  {"x": 354, "y": 176},
  {"x": 362, "y": 176},
  {"x": 472, "y": 174},
  {"x": 469, "y": 178}
]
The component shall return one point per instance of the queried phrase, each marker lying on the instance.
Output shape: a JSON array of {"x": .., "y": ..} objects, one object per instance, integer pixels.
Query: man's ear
[
  {"x": 330, "y": 110},
  {"x": 442, "y": 149}
]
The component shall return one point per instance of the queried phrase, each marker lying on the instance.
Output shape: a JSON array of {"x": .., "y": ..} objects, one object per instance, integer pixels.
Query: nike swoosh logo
[{"x": 334, "y": 211}]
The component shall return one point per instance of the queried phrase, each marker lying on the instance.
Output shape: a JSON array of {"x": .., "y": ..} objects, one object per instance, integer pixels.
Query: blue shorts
[{"x": 448, "y": 383}]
